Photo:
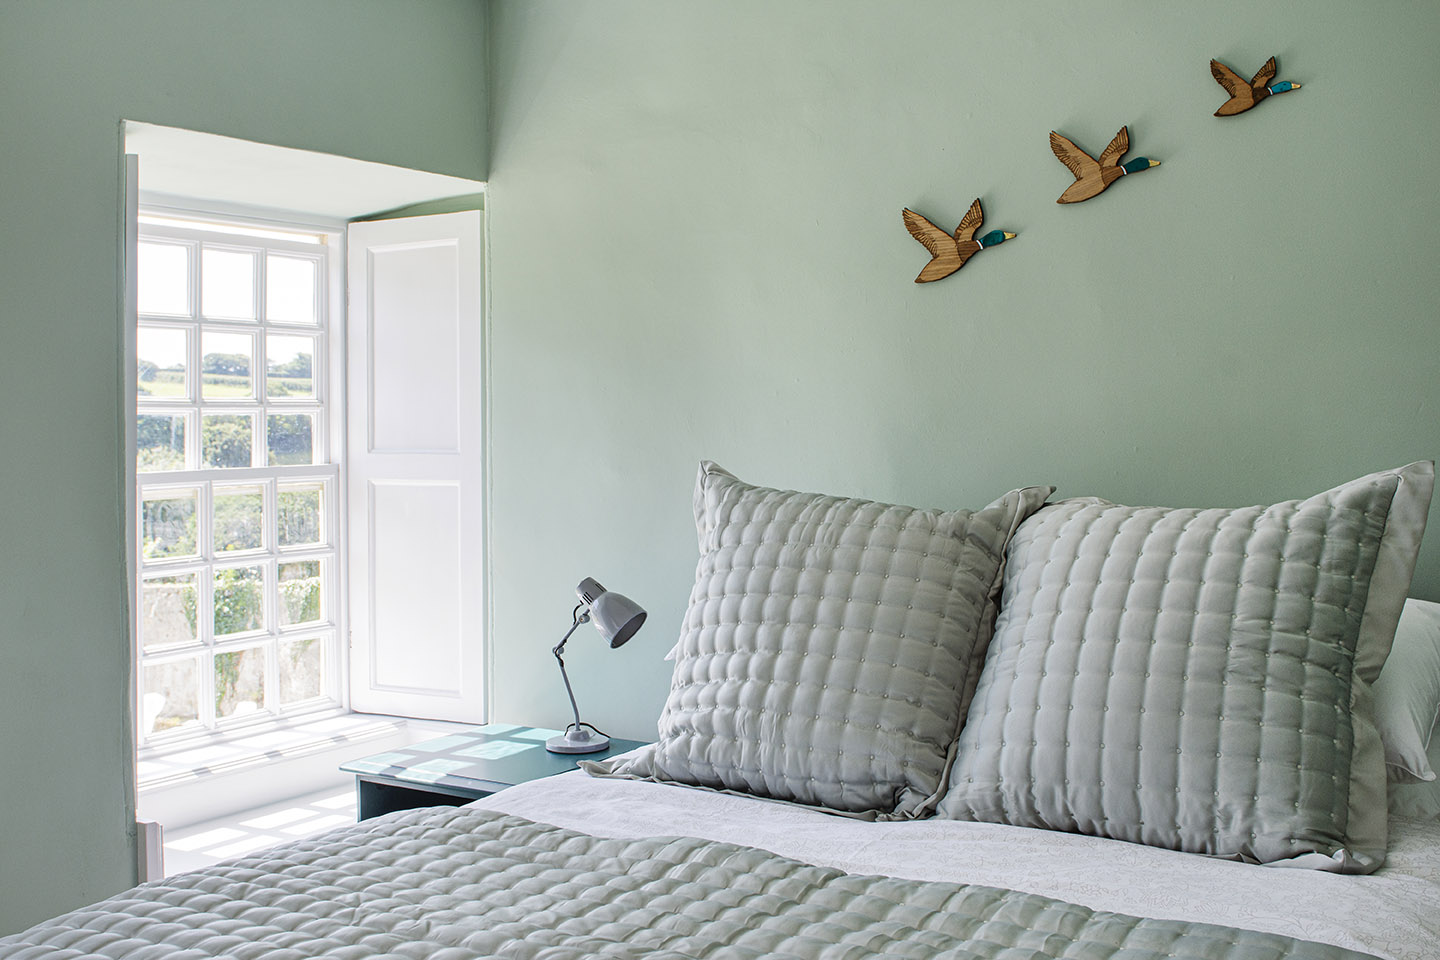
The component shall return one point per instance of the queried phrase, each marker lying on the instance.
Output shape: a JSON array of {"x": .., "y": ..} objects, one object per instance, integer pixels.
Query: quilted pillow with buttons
[
  {"x": 1197, "y": 679},
  {"x": 830, "y": 646}
]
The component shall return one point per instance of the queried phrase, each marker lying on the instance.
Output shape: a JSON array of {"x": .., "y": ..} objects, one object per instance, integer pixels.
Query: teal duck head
[
  {"x": 1138, "y": 164},
  {"x": 994, "y": 237}
]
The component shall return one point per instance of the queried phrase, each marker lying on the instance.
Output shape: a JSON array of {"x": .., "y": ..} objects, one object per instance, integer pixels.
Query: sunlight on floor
[{"x": 251, "y": 830}]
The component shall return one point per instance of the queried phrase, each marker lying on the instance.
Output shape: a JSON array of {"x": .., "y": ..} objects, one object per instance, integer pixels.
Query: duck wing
[
  {"x": 971, "y": 222},
  {"x": 945, "y": 257},
  {"x": 1227, "y": 78},
  {"x": 1264, "y": 75},
  {"x": 935, "y": 240},
  {"x": 1117, "y": 148},
  {"x": 1070, "y": 155}
]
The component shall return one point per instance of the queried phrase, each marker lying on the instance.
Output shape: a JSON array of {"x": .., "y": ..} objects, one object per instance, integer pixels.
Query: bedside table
[{"x": 460, "y": 767}]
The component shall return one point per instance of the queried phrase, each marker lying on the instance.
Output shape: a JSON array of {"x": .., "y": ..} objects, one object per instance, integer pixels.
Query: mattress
[{"x": 574, "y": 867}]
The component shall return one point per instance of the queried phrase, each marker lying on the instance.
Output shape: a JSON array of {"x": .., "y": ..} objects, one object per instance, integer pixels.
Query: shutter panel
[{"x": 415, "y": 444}]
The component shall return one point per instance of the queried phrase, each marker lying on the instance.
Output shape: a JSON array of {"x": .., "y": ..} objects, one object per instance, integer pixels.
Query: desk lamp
[{"x": 617, "y": 617}]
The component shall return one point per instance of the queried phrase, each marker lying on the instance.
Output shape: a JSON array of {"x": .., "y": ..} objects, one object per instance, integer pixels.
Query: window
[{"x": 237, "y": 473}]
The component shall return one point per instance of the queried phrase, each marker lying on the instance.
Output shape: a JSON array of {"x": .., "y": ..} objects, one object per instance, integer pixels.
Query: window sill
[{"x": 255, "y": 746}]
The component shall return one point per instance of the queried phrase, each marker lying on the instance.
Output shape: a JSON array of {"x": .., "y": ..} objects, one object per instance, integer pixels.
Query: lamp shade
[{"x": 615, "y": 615}]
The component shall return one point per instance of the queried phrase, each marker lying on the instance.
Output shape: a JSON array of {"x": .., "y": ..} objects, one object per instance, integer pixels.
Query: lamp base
[{"x": 578, "y": 739}]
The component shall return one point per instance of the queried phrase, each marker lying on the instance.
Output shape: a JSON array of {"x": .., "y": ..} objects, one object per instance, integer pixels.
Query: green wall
[
  {"x": 379, "y": 80},
  {"x": 697, "y": 251}
]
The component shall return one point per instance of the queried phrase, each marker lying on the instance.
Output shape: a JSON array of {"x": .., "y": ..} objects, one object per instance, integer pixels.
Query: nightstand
[{"x": 460, "y": 767}]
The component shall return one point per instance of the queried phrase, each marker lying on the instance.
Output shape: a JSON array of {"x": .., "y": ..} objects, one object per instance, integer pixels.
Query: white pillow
[
  {"x": 1419, "y": 801},
  {"x": 1407, "y": 695}
]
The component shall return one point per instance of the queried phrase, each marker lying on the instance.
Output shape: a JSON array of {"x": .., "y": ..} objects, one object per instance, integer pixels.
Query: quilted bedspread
[{"x": 458, "y": 883}]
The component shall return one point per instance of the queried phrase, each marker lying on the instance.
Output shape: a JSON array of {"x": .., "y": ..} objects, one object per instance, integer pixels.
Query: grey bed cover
[{"x": 460, "y": 883}]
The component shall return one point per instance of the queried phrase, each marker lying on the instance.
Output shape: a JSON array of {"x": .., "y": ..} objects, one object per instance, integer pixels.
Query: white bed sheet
[{"x": 1393, "y": 914}]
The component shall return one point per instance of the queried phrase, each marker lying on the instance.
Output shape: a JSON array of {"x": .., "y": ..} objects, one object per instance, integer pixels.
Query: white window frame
[{"x": 327, "y": 406}]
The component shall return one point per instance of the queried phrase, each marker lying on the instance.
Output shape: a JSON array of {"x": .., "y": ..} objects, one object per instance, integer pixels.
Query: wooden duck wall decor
[
  {"x": 1093, "y": 176},
  {"x": 950, "y": 252},
  {"x": 1244, "y": 95}
]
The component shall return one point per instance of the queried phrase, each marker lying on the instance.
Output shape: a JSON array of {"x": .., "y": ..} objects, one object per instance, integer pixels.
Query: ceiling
[{"x": 188, "y": 165}]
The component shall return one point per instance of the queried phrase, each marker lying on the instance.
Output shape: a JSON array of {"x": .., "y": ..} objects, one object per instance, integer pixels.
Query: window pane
[
  {"x": 172, "y": 695},
  {"x": 301, "y": 511},
  {"x": 227, "y": 284},
  {"x": 302, "y": 670},
  {"x": 239, "y": 600},
  {"x": 162, "y": 353},
  {"x": 291, "y": 438},
  {"x": 300, "y": 592},
  {"x": 225, "y": 365},
  {"x": 167, "y": 524},
  {"x": 226, "y": 439},
  {"x": 288, "y": 361},
  {"x": 159, "y": 442},
  {"x": 290, "y": 289},
  {"x": 231, "y": 350},
  {"x": 239, "y": 518},
  {"x": 167, "y": 610},
  {"x": 239, "y": 682},
  {"x": 162, "y": 278}
]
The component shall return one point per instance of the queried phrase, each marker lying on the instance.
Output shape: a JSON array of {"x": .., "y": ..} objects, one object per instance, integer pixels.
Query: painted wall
[
  {"x": 697, "y": 251},
  {"x": 394, "y": 82}
]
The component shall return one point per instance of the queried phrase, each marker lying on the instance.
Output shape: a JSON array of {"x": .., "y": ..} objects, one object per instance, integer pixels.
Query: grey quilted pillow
[
  {"x": 830, "y": 646},
  {"x": 1197, "y": 679}
]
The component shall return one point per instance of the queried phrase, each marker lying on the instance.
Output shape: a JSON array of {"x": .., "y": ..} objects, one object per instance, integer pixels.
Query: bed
[
  {"x": 899, "y": 733},
  {"x": 409, "y": 885}
]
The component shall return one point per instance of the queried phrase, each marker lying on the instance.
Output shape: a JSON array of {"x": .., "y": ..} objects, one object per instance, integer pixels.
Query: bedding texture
[
  {"x": 1197, "y": 679},
  {"x": 830, "y": 646},
  {"x": 462, "y": 883},
  {"x": 1390, "y": 913},
  {"x": 1407, "y": 695}
]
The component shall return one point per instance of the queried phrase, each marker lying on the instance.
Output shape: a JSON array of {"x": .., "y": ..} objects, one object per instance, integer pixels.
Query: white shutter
[{"x": 414, "y": 459}]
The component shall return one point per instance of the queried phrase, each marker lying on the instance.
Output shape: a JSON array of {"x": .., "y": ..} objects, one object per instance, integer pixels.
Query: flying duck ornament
[
  {"x": 949, "y": 253},
  {"x": 1093, "y": 176},
  {"x": 1244, "y": 95}
]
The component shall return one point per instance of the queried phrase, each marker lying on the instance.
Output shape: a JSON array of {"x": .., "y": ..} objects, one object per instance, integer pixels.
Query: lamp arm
[
  {"x": 560, "y": 649},
  {"x": 579, "y": 619}
]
